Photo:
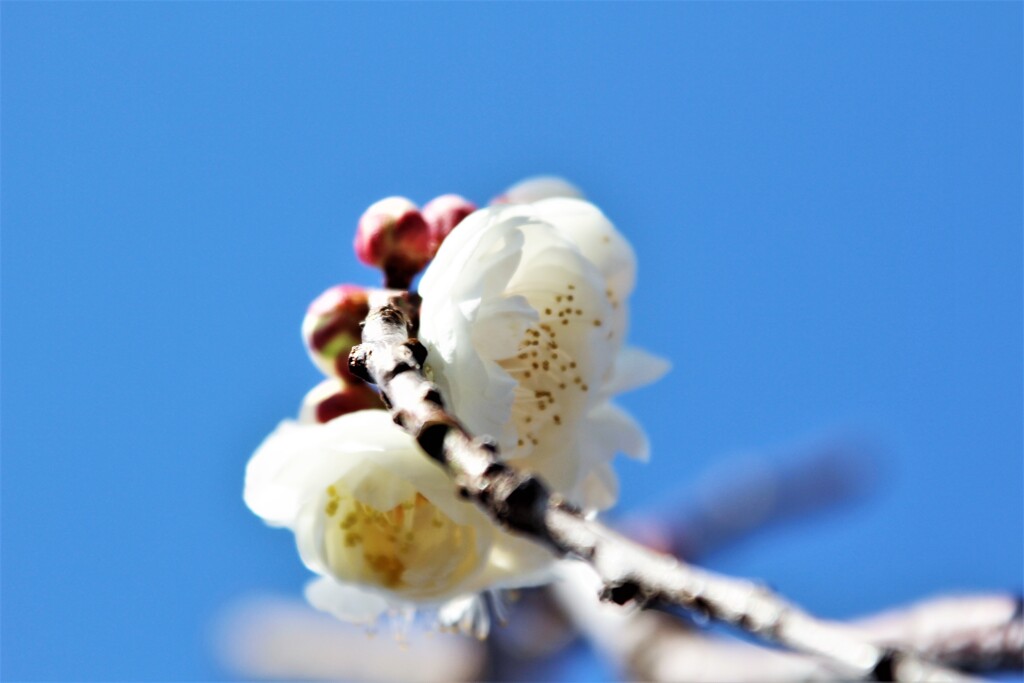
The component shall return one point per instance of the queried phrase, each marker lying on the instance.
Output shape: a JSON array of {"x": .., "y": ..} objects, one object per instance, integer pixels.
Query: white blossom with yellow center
[
  {"x": 524, "y": 314},
  {"x": 378, "y": 520}
]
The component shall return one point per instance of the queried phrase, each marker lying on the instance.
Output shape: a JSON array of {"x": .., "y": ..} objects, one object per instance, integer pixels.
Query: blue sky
[{"x": 825, "y": 200}]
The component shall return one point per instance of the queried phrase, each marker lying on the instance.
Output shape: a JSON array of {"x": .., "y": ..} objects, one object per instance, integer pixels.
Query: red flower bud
[
  {"x": 392, "y": 235},
  {"x": 331, "y": 327},
  {"x": 335, "y": 397},
  {"x": 444, "y": 213}
]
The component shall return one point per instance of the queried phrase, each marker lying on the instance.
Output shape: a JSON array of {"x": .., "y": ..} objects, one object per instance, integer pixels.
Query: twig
[
  {"x": 631, "y": 574},
  {"x": 982, "y": 633}
]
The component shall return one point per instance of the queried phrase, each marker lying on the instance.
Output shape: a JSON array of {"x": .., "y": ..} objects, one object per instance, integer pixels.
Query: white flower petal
[
  {"x": 275, "y": 478},
  {"x": 482, "y": 392},
  {"x": 500, "y": 324},
  {"x": 635, "y": 368},
  {"x": 515, "y": 562},
  {"x": 588, "y": 228},
  {"x": 614, "y": 429},
  {"x": 607, "y": 431},
  {"x": 345, "y": 601},
  {"x": 297, "y": 461},
  {"x": 601, "y": 488},
  {"x": 538, "y": 188},
  {"x": 309, "y": 537},
  {"x": 473, "y": 245}
]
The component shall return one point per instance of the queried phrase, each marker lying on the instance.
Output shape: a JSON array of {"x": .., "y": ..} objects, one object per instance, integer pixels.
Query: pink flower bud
[
  {"x": 335, "y": 397},
  {"x": 392, "y": 235},
  {"x": 444, "y": 213},
  {"x": 331, "y": 327}
]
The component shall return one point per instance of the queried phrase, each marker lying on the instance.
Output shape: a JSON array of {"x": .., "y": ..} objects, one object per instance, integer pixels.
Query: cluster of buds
[{"x": 400, "y": 239}]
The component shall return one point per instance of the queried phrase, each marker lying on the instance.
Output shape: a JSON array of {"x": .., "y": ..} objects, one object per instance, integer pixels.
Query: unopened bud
[
  {"x": 444, "y": 213},
  {"x": 331, "y": 327},
  {"x": 392, "y": 235},
  {"x": 335, "y": 397},
  {"x": 538, "y": 188}
]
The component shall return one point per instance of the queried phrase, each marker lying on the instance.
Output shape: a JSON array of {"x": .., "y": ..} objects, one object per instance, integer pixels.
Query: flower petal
[
  {"x": 635, "y": 368},
  {"x": 472, "y": 244},
  {"x": 604, "y": 246},
  {"x": 516, "y": 562},
  {"x": 296, "y": 463},
  {"x": 615, "y": 429},
  {"x": 500, "y": 324},
  {"x": 536, "y": 188},
  {"x": 601, "y": 488},
  {"x": 345, "y": 601}
]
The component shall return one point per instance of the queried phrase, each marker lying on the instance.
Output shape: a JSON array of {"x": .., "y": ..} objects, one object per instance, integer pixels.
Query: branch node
[
  {"x": 487, "y": 443},
  {"x": 885, "y": 667},
  {"x": 419, "y": 351},
  {"x": 400, "y": 367},
  {"x": 623, "y": 592},
  {"x": 495, "y": 470},
  {"x": 431, "y": 439},
  {"x": 520, "y": 501},
  {"x": 560, "y": 503},
  {"x": 432, "y": 395},
  {"x": 358, "y": 358}
]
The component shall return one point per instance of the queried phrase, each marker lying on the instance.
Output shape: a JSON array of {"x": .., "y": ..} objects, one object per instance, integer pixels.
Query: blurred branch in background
[
  {"x": 268, "y": 638},
  {"x": 278, "y": 638},
  {"x": 747, "y": 494}
]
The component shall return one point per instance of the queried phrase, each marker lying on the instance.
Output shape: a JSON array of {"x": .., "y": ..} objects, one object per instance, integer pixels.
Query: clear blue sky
[{"x": 825, "y": 200}]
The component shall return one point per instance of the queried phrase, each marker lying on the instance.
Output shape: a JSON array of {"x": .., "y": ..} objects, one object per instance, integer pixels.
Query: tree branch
[
  {"x": 630, "y": 573},
  {"x": 981, "y": 633}
]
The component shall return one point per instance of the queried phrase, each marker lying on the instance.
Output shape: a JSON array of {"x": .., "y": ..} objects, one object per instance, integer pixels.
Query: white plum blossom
[
  {"x": 524, "y": 314},
  {"x": 379, "y": 522}
]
